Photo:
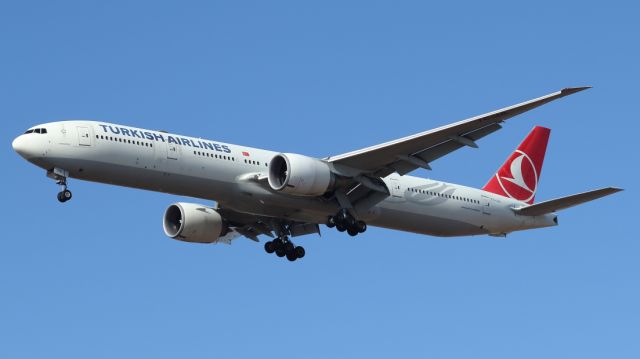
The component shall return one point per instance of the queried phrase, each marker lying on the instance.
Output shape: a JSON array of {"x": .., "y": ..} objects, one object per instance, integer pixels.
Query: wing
[
  {"x": 564, "y": 202},
  {"x": 417, "y": 151}
]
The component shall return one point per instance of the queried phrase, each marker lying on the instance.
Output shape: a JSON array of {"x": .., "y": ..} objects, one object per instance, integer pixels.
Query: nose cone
[{"x": 24, "y": 147}]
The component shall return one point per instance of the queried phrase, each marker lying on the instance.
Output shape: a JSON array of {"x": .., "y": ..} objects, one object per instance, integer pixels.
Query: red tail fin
[{"x": 519, "y": 175}]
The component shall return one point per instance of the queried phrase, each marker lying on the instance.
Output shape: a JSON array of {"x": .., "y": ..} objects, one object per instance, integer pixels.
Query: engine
[
  {"x": 299, "y": 175},
  {"x": 190, "y": 222}
]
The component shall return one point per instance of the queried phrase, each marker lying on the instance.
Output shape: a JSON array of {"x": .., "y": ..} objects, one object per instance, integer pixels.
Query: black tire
[
  {"x": 331, "y": 222},
  {"x": 61, "y": 197},
  {"x": 280, "y": 252},
  {"x": 291, "y": 256},
  {"x": 269, "y": 247},
  {"x": 277, "y": 244},
  {"x": 67, "y": 194},
  {"x": 353, "y": 231},
  {"x": 288, "y": 247},
  {"x": 341, "y": 227},
  {"x": 362, "y": 226},
  {"x": 299, "y": 252}
]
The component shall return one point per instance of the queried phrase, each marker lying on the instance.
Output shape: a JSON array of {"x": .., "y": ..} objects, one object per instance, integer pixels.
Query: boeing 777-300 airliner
[{"x": 283, "y": 195}]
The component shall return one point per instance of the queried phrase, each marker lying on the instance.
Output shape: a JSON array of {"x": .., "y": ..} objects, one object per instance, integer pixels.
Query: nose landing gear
[{"x": 60, "y": 176}]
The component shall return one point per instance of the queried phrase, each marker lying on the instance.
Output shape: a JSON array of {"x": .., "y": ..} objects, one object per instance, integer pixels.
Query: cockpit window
[{"x": 36, "y": 130}]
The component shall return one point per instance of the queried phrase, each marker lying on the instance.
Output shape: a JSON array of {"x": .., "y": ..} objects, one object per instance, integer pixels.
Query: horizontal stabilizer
[{"x": 564, "y": 202}]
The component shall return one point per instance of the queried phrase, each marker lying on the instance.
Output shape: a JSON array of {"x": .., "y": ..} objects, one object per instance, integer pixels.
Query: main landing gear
[
  {"x": 344, "y": 221},
  {"x": 282, "y": 247}
]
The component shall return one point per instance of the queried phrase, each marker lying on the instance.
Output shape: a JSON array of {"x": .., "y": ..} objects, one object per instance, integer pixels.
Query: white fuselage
[{"x": 226, "y": 173}]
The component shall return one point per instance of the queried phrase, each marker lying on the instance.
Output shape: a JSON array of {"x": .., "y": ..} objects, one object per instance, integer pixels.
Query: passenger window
[{"x": 37, "y": 130}]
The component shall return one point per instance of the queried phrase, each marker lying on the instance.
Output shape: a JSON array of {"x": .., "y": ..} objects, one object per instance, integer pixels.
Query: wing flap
[{"x": 564, "y": 202}]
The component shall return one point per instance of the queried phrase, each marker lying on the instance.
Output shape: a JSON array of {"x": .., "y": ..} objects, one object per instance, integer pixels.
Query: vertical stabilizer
[{"x": 518, "y": 177}]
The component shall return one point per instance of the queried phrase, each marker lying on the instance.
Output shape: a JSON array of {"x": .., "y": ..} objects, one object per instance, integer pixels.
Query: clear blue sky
[{"x": 96, "y": 277}]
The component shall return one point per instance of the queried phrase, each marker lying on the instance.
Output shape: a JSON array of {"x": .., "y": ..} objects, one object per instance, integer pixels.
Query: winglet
[{"x": 571, "y": 90}]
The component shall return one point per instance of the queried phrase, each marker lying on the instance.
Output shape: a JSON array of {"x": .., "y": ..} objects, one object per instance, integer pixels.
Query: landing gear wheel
[
  {"x": 299, "y": 250},
  {"x": 331, "y": 222},
  {"x": 291, "y": 256},
  {"x": 64, "y": 196},
  {"x": 341, "y": 227},
  {"x": 352, "y": 231},
  {"x": 288, "y": 247},
  {"x": 269, "y": 247},
  {"x": 280, "y": 252},
  {"x": 362, "y": 227}
]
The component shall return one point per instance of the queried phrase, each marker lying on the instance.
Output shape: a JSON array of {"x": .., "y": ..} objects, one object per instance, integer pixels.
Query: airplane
[{"x": 283, "y": 195}]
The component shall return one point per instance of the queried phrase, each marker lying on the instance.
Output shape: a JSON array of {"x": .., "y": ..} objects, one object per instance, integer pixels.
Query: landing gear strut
[
  {"x": 344, "y": 221},
  {"x": 283, "y": 247}
]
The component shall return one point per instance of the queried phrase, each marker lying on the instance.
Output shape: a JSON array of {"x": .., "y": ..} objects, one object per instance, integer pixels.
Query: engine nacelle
[
  {"x": 299, "y": 175},
  {"x": 191, "y": 222}
]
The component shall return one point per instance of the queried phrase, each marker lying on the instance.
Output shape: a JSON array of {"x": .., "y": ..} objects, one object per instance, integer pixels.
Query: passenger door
[
  {"x": 485, "y": 205},
  {"x": 396, "y": 188},
  {"x": 173, "y": 151},
  {"x": 84, "y": 138}
]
